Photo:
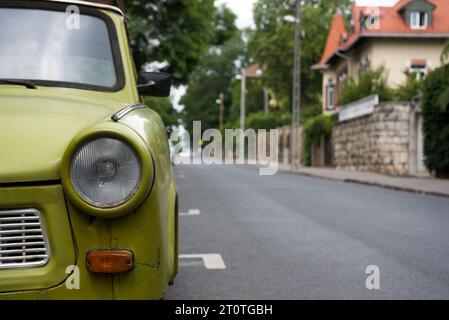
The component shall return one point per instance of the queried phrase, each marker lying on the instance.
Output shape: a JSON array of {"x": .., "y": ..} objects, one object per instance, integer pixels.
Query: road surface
[{"x": 245, "y": 236}]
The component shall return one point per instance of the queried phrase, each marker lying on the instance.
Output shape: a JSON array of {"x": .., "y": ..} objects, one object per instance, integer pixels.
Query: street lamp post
[
  {"x": 243, "y": 101},
  {"x": 296, "y": 89},
  {"x": 220, "y": 102}
]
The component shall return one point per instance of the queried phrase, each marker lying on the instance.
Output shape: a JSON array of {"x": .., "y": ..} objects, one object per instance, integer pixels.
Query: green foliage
[
  {"x": 435, "y": 111},
  {"x": 260, "y": 120},
  {"x": 174, "y": 31},
  {"x": 445, "y": 54},
  {"x": 254, "y": 100},
  {"x": 410, "y": 89},
  {"x": 272, "y": 44},
  {"x": 310, "y": 111},
  {"x": 224, "y": 26},
  {"x": 214, "y": 75},
  {"x": 314, "y": 129},
  {"x": 370, "y": 83},
  {"x": 164, "y": 107}
]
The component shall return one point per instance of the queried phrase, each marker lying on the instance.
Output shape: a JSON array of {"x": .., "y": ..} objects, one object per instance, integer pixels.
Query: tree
[
  {"x": 172, "y": 32},
  {"x": 272, "y": 44},
  {"x": 213, "y": 76},
  {"x": 445, "y": 54},
  {"x": 435, "y": 112}
]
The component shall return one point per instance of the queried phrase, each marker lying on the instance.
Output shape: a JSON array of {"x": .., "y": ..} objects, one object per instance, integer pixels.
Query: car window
[{"x": 37, "y": 45}]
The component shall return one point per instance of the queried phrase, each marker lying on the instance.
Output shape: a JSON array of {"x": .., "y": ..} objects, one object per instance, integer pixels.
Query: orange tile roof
[
  {"x": 391, "y": 24},
  {"x": 336, "y": 34}
]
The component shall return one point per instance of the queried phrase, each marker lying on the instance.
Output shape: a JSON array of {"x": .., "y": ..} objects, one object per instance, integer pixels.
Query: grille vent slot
[{"x": 23, "y": 240}]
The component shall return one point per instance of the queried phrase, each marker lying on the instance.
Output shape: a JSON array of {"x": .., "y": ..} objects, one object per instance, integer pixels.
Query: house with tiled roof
[{"x": 408, "y": 36}]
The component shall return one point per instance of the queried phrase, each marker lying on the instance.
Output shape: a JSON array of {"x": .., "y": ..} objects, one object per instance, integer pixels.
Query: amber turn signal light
[{"x": 110, "y": 261}]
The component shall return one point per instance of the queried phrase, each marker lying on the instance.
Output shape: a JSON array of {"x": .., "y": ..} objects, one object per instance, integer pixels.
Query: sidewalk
[{"x": 431, "y": 186}]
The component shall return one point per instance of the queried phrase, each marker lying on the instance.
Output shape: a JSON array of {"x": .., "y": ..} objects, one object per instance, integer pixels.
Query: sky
[{"x": 244, "y": 11}]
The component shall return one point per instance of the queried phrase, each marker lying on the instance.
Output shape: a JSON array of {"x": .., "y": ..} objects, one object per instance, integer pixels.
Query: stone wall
[
  {"x": 285, "y": 136},
  {"x": 380, "y": 142}
]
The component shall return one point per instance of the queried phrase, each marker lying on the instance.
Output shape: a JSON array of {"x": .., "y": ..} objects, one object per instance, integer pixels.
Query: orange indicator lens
[{"x": 110, "y": 261}]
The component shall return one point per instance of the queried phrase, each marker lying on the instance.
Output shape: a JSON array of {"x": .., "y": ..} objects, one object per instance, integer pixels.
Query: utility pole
[
  {"x": 243, "y": 101},
  {"x": 266, "y": 101},
  {"x": 296, "y": 89},
  {"x": 222, "y": 108},
  {"x": 241, "y": 144}
]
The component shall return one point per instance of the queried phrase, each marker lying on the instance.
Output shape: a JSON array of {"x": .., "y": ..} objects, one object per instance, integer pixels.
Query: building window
[
  {"x": 419, "y": 72},
  {"x": 330, "y": 96},
  {"x": 418, "y": 68},
  {"x": 419, "y": 20},
  {"x": 364, "y": 65}
]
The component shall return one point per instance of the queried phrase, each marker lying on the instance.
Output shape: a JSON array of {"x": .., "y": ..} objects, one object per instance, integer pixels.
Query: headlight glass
[{"x": 105, "y": 172}]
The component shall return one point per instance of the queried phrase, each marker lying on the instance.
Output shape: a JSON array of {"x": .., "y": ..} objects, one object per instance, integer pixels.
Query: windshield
[{"x": 37, "y": 45}]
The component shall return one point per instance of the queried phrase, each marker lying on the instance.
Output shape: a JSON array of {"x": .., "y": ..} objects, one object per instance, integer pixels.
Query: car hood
[{"x": 37, "y": 125}]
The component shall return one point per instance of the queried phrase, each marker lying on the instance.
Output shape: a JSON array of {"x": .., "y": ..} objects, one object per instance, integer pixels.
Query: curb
[{"x": 371, "y": 183}]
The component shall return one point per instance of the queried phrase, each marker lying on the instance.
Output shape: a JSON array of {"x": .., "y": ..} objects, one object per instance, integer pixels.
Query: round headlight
[{"x": 105, "y": 172}]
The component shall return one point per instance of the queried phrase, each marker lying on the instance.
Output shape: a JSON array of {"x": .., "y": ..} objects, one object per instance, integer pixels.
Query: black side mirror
[{"x": 154, "y": 84}]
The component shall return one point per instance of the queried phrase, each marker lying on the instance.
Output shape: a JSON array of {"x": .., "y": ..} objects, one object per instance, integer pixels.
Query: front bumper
[{"x": 72, "y": 234}]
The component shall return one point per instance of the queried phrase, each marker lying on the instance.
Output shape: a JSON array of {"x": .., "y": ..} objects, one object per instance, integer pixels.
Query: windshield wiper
[{"x": 27, "y": 83}]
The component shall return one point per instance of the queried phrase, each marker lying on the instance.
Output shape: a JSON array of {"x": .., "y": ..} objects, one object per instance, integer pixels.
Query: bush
[
  {"x": 260, "y": 120},
  {"x": 410, "y": 89},
  {"x": 314, "y": 129},
  {"x": 370, "y": 83},
  {"x": 310, "y": 111},
  {"x": 435, "y": 111}
]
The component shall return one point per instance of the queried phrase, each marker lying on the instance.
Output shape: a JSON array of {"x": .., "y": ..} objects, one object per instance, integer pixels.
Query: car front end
[{"x": 88, "y": 205}]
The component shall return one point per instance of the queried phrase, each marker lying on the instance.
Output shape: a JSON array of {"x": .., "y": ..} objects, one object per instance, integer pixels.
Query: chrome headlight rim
[
  {"x": 132, "y": 139},
  {"x": 98, "y": 204}
]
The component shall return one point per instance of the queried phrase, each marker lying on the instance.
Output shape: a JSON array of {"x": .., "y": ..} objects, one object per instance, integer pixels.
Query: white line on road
[
  {"x": 191, "y": 212},
  {"x": 211, "y": 260}
]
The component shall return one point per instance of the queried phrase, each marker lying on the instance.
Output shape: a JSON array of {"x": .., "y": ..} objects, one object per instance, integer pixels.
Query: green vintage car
[{"x": 88, "y": 204}]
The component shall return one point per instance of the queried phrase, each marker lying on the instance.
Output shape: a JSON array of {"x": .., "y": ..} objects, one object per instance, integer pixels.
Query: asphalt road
[{"x": 294, "y": 237}]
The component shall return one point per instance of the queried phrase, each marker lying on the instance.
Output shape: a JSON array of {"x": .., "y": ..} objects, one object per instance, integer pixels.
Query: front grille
[{"x": 23, "y": 240}]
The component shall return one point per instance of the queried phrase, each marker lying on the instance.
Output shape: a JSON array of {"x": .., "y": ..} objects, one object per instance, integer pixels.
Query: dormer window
[
  {"x": 419, "y": 20},
  {"x": 418, "y": 14}
]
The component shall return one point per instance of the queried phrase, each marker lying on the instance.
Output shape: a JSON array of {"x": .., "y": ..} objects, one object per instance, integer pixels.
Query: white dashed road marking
[
  {"x": 210, "y": 260},
  {"x": 191, "y": 212}
]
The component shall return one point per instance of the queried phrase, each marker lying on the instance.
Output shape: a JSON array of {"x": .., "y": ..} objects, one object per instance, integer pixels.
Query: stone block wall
[
  {"x": 285, "y": 136},
  {"x": 379, "y": 142}
]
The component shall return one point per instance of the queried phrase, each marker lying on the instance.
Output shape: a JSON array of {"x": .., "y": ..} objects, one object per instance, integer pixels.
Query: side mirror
[{"x": 154, "y": 84}]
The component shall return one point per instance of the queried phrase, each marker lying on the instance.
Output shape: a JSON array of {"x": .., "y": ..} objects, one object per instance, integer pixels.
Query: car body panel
[
  {"x": 48, "y": 122},
  {"x": 49, "y": 200},
  {"x": 36, "y": 127}
]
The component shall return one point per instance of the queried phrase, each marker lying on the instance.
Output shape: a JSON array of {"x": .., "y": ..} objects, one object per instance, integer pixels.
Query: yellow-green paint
[
  {"x": 125, "y": 134},
  {"x": 49, "y": 200},
  {"x": 39, "y": 130}
]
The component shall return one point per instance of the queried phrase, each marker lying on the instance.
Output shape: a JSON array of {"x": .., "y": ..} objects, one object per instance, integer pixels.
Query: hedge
[
  {"x": 435, "y": 111},
  {"x": 369, "y": 83},
  {"x": 314, "y": 129},
  {"x": 260, "y": 120}
]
